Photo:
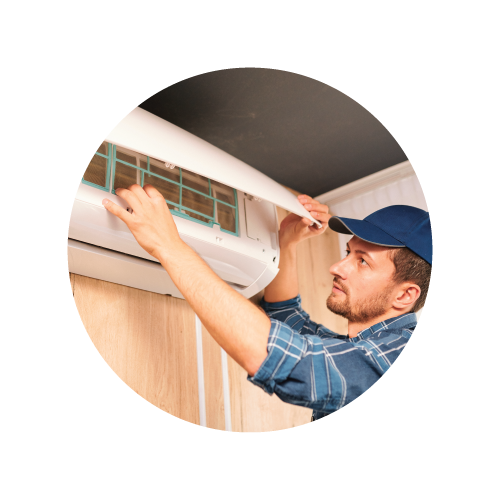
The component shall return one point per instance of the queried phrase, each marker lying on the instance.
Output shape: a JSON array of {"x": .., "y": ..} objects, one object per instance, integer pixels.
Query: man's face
[{"x": 363, "y": 288}]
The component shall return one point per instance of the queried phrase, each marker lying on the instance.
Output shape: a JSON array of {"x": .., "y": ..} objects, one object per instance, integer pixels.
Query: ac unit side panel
[
  {"x": 150, "y": 135},
  {"x": 106, "y": 265},
  {"x": 260, "y": 219},
  {"x": 264, "y": 279}
]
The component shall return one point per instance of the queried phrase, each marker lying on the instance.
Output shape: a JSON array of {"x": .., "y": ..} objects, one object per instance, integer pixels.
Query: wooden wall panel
[
  {"x": 212, "y": 369},
  {"x": 148, "y": 340}
]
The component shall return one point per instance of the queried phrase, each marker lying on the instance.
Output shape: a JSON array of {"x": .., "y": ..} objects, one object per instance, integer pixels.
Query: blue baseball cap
[{"x": 396, "y": 226}]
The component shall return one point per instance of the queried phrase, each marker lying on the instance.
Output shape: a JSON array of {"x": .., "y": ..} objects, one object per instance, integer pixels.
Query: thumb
[{"x": 115, "y": 209}]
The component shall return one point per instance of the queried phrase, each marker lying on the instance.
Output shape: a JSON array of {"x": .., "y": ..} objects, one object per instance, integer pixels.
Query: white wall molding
[
  {"x": 366, "y": 184},
  {"x": 201, "y": 376},
  {"x": 225, "y": 390}
]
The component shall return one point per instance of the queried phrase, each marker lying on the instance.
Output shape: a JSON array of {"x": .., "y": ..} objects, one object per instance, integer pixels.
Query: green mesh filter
[
  {"x": 197, "y": 202},
  {"x": 125, "y": 176},
  {"x": 226, "y": 217},
  {"x": 170, "y": 191},
  {"x": 196, "y": 182},
  {"x": 188, "y": 195},
  {"x": 96, "y": 171}
]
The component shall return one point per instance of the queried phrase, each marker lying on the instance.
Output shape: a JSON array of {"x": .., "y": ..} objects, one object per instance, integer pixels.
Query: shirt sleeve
[
  {"x": 291, "y": 313},
  {"x": 309, "y": 371}
]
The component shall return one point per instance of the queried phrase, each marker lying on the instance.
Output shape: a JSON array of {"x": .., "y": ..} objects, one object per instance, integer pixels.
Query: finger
[
  {"x": 115, "y": 209},
  {"x": 304, "y": 198},
  {"x": 130, "y": 197},
  {"x": 152, "y": 192},
  {"x": 322, "y": 217},
  {"x": 316, "y": 206},
  {"x": 139, "y": 192},
  {"x": 307, "y": 200},
  {"x": 322, "y": 208},
  {"x": 310, "y": 223}
]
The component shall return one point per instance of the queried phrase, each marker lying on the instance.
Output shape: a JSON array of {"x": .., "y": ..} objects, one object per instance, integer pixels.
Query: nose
[{"x": 339, "y": 269}]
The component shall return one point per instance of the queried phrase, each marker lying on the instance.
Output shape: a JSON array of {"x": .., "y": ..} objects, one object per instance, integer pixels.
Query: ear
[{"x": 406, "y": 296}]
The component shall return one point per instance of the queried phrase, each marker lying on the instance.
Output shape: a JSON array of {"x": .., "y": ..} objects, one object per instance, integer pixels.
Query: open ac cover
[{"x": 224, "y": 209}]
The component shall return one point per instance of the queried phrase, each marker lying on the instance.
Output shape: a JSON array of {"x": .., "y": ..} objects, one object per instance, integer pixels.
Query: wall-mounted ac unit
[{"x": 223, "y": 208}]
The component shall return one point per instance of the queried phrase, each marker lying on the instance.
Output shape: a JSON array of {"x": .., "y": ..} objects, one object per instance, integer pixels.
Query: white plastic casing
[
  {"x": 101, "y": 246},
  {"x": 145, "y": 133}
]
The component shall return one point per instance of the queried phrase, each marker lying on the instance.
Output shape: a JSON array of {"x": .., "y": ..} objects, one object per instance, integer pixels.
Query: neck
[{"x": 354, "y": 327}]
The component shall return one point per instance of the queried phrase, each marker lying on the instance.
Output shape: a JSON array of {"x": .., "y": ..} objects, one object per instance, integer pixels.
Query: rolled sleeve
[
  {"x": 291, "y": 313},
  {"x": 285, "y": 349},
  {"x": 297, "y": 370}
]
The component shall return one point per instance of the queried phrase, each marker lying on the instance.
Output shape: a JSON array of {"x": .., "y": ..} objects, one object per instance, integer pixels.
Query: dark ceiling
[{"x": 300, "y": 132}]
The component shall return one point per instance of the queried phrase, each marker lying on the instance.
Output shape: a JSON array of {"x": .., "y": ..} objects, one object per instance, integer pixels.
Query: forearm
[
  {"x": 236, "y": 324},
  {"x": 286, "y": 284}
]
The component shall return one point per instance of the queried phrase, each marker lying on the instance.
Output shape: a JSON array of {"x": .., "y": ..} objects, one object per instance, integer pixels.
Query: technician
[{"x": 378, "y": 287}]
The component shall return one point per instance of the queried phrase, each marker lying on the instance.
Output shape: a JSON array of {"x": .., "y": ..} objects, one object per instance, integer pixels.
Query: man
[{"x": 378, "y": 287}]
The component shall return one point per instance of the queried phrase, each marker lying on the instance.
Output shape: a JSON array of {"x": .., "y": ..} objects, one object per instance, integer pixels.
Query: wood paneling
[
  {"x": 212, "y": 369},
  {"x": 147, "y": 339}
]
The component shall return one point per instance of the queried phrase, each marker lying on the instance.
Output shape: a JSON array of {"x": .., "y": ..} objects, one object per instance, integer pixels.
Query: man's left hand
[{"x": 150, "y": 222}]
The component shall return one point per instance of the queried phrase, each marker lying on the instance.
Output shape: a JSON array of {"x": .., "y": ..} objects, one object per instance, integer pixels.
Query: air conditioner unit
[{"x": 223, "y": 208}]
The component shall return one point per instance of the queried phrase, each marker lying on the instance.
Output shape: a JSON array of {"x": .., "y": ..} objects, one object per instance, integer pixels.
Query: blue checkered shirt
[{"x": 309, "y": 365}]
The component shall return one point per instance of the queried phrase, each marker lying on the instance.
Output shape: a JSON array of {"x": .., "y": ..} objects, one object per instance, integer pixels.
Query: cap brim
[{"x": 363, "y": 230}]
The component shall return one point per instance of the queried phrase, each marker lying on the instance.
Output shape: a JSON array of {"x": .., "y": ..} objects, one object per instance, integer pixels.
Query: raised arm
[
  {"x": 293, "y": 230},
  {"x": 236, "y": 324}
]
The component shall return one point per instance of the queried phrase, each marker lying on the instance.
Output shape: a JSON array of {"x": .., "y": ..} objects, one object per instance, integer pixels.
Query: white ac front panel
[
  {"x": 101, "y": 246},
  {"x": 108, "y": 265},
  {"x": 150, "y": 135}
]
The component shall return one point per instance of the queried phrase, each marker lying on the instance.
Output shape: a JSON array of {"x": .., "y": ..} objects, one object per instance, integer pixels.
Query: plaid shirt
[{"x": 309, "y": 365}]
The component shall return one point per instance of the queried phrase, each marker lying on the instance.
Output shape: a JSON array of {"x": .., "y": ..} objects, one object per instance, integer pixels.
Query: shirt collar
[{"x": 408, "y": 320}]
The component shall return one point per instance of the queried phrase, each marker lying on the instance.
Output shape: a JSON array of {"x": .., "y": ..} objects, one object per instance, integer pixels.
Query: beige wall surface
[{"x": 149, "y": 340}]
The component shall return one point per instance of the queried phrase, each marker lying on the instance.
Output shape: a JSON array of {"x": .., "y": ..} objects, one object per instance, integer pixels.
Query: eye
[
  {"x": 347, "y": 252},
  {"x": 363, "y": 262}
]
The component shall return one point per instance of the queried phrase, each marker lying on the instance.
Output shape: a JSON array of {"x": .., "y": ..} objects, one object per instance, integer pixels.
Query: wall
[{"x": 149, "y": 340}]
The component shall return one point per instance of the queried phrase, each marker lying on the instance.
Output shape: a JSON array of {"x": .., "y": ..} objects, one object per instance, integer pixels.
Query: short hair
[{"x": 409, "y": 267}]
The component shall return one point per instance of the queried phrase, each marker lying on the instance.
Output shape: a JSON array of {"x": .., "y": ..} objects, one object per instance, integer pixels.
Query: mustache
[{"x": 340, "y": 286}]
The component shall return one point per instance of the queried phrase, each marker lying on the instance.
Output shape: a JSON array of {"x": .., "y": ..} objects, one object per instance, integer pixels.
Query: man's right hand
[{"x": 294, "y": 229}]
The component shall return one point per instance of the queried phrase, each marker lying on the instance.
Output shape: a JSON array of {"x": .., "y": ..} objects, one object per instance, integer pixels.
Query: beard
[{"x": 359, "y": 311}]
